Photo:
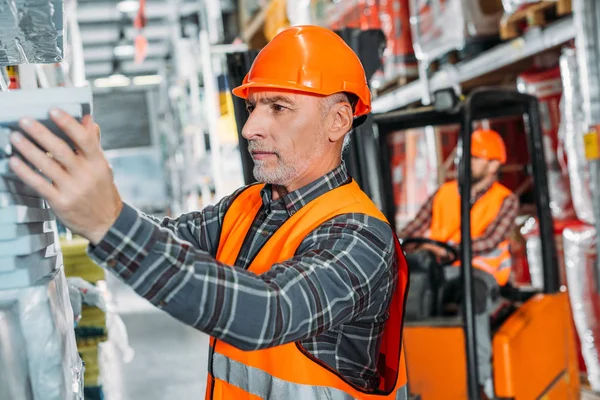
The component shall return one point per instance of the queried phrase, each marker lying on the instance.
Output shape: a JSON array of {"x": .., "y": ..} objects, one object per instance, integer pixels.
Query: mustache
[{"x": 254, "y": 147}]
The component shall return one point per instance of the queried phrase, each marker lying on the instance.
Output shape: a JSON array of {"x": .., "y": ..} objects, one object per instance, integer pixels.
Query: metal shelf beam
[{"x": 533, "y": 42}]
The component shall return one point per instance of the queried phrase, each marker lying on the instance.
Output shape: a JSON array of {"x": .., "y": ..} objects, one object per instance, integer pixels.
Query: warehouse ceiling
[{"x": 108, "y": 33}]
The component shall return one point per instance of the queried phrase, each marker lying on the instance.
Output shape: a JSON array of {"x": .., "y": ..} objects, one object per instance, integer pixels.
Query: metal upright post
[{"x": 587, "y": 22}]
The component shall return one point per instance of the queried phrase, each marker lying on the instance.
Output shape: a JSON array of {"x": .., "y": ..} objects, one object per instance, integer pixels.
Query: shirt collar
[
  {"x": 297, "y": 199},
  {"x": 481, "y": 192}
]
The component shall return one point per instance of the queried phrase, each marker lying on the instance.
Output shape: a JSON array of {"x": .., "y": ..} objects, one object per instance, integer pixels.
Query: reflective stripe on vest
[
  {"x": 265, "y": 386},
  {"x": 497, "y": 263},
  {"x": 289, "y": 368}
]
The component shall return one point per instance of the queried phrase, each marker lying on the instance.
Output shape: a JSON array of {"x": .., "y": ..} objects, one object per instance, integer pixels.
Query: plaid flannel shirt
[
  {"x": 495, "y": 233},
  {"x": 333, "y": 296}
]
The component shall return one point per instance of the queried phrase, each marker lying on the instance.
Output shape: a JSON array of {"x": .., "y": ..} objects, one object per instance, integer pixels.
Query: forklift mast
[{"x": 480, "y": 104}]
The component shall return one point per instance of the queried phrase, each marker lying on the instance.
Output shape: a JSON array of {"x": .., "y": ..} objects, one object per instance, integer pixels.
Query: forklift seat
[
  {"x": 436, "y": 290},
  {"x": 426, "y": 279}
]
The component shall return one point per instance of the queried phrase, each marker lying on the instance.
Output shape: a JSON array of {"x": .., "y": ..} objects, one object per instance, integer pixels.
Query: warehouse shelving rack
[{"x": 533, "y": 42}]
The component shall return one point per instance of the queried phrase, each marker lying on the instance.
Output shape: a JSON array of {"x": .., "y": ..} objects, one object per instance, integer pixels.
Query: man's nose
[{"x": 253, "y": 128}]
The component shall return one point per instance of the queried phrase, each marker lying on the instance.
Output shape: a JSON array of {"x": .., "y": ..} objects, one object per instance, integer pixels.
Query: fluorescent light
[
  {"x": 124, "y": 50},
  {"x": 147, "y": 80},
  {"x": 128, "y": 6},
  {"x": 112, "y": 81}
]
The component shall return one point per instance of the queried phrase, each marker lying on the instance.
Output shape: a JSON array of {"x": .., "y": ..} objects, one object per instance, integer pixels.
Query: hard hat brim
[{"x": 243, "y": 90}]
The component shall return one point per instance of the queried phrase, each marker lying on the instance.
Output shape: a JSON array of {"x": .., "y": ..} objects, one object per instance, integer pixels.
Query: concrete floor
[{"x": 170, "y": 358}]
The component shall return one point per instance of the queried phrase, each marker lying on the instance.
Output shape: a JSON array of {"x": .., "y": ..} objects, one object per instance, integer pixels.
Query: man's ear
[
  {"x": 494, "y": 166},
  {"x": 341, "y": 123}
]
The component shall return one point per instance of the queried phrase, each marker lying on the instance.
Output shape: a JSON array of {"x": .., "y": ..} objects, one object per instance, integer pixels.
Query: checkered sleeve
[
  {"x": 499, "y": 229},
  {"x": 344, "y": 268},
  {"x": 421, "y": 223}
]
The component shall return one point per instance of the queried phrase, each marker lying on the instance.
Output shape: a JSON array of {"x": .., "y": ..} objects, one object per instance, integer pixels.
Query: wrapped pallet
[
  {"x": 31, "y": 31},
  {"x": 399, "y": 59},
  {"x": 546, "y": 85},
  {"x": 510, "y": 6},
  {"x": 440, "y": 26},
  {"x": 571, "y": 132},
  {"x": 38, "y": 354},
  {"x": 582, "y": 277}
]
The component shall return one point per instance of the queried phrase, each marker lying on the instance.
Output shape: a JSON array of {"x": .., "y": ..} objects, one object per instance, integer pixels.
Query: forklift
[{"x": 533, "y": 343}]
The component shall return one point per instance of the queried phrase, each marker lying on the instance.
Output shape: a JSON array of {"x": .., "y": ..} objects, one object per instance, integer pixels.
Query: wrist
[{"x": 99, "y": 231}]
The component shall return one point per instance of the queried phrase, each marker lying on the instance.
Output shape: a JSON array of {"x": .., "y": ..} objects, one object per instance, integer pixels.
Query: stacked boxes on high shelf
[
  {"x": 91, "y": 329},
  {"x": 393, "y": 18},
  {"x": 38, "y": 354}
]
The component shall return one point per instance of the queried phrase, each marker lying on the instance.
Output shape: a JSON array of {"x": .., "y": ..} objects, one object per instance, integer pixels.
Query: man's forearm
[{"x": 232, "y": 304}]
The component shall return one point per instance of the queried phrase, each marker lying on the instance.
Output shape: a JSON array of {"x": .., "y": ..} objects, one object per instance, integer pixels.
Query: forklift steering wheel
[{"x": 423, "y": 240}]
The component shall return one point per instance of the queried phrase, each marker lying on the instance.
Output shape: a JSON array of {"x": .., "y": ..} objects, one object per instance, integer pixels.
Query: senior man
[{"x": 299, "y": 280}]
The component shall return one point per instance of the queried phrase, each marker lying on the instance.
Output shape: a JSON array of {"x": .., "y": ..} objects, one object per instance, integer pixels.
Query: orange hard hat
[
  {"x": 309, "y": 59},
  {"x": 488, "y": 144}
]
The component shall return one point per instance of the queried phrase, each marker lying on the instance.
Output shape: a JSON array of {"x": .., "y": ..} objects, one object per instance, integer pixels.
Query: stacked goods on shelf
[
  {"x": 570, "y": 198},
  {"x": 572, "y": 130},
  {"x": 443, "y": 26},
  {"x": 530, "y": 232},
  {"x": 31, "y": 32},
  {"x": 582, "y": 278},
  {"x": 393, "y": 18},
  {"x": 519, "y": 15},
  {"x": 38, "y": 354},
  {"x": 414, "y": 167},
  {"x": 546, "y": 85},
  {"x": 91, "y": 330},
  {"x": 399, "y": 61}
]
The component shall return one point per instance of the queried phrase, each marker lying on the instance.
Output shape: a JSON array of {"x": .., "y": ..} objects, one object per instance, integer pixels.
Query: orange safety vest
[
  {"x": 288, "y": 371},
  {"x": 445, "y": 225}
]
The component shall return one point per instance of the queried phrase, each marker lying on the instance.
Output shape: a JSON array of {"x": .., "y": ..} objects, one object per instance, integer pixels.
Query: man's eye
[
  {"x": 250, "y": 108},
  {"x": 277, "y": 107}
]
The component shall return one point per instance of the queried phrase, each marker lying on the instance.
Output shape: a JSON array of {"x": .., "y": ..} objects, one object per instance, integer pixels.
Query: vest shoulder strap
[
  {"x": 242, "y": 211},
  {"x": 348, "y": 198}
]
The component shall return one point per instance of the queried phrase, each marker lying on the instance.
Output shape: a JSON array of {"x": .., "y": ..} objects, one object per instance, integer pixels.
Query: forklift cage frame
[{"x": 482, "y": 103}]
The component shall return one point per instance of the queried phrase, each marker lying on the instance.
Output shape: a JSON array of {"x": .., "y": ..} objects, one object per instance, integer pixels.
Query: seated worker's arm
[
  {"x": 341, "y": 269},
  {"x": 499, "y": 229},
  {"x": 421, "y": 223}
]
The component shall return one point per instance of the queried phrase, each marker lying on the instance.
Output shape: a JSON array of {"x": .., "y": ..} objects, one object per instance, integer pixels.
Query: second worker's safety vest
[
  {"x": 288, "y": 371},
  {"x": 445, "y": 225}
]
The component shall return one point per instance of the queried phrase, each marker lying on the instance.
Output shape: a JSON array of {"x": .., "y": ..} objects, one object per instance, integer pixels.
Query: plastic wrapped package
[
  {"x": 571, "y": 132},
  {"x": 530, "y": 232},
  {"x": 414, "y": 169},
  {"x": 546, "y": 85},
  {"x": 439, "y": 26},
  {"x": 115, "y": 351},
  {"x": 510, "y": 6},
  {"x": 580, "y": 260},
  {"x": 31, "y": 31},
  {"x": 38, "y": 354},
  {"x": 399, "y": 59}
]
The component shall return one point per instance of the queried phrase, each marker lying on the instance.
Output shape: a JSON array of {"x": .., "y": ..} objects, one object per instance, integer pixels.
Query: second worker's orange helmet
[
  {"x": 488, "y": 144},
  {"x": 309, "y": 59}
]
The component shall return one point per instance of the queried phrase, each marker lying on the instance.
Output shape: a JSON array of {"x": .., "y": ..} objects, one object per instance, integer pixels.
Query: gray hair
[
  {"x": 330, "y": 101},
  {"x": 347, "y": 140}
]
